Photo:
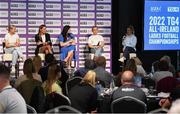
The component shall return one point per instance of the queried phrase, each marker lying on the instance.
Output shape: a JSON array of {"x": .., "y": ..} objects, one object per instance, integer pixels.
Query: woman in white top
[
  {"x": 12, "y": 45},
  {"x": 96, "y": 42},
  {"x": 129, "y": 42}
]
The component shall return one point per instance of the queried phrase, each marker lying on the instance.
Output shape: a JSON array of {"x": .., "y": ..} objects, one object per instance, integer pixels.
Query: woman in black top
[
  {"x": 43, "y": 41},
  {"x": 84, "y": 95}
]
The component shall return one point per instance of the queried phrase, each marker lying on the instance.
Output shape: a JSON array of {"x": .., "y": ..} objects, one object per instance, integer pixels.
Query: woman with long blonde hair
[
  {"x": 51, "y": 84},
  {"x": 84, "y": 95}
]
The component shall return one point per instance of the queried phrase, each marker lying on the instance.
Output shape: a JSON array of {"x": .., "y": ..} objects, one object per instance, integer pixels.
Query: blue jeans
[
  {"x": 127, "y": 51},
  {"x": 97, "y": 51},
  {"x": 16, "y": 52}
]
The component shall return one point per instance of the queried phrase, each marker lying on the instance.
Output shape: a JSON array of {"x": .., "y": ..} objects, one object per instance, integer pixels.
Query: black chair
[
  {"x": 128, "y": 104},
  {"x": 71, "y": 82},
  {"x": 63, "y": 109},
  {"x": 54, "y": 100},
  {"x": 30, "y": 110}
]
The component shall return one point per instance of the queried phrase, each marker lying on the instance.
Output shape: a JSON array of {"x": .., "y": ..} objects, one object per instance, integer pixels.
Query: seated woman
[
  {"x": 43, "y": 41},
  {"x": 67, "y": 45},
  {"x": 29, "y": 73},
  {"x": 51, "y": 84},
  {"x": 12, "y": 46},
  {"x": 84, "y": 95}
]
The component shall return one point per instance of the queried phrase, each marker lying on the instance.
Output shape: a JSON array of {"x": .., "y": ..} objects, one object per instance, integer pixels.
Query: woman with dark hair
[
  {"x": 29, "y": 73},
  {"x": 129, "y": 42},
  {"x": 67, "y": 45},
  {"x": 43, "y": 41}
]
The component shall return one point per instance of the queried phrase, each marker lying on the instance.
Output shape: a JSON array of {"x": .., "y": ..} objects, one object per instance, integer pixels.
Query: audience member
[
  {"x": 88, "y": 65},
  {"x": 52, "y": 84},
  {"x": 174, "y": 95},
  {"x": 101, "y": 73},
  {"x": 29, "y": 73},
  {"x": 128, "y": 88},
  {"x": 163, "y": 71},
  {"x": 168, "y": 60},
  {"x": 84, "y": 95},
  {"x": 10, "y": 100},
  {"x": 140, "y": 70},
  {"x": 131, "y": 65},
  {"x": 37, "y": 63},
  {"x": 49, "y": 58}
]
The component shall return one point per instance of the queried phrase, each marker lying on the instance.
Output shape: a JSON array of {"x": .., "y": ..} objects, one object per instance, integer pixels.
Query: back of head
[
  {"x": 89, "y": 64},
  {"x": 4, "y": 71},
  {"x": 166, "y": 58},
  {"x": 127, "y": 77},
  {"x": 163, "y": 65},
  {"x": 90, "y": 78},
  {"x": 101, "y": 61},
  {"x": 37, "y": 62},
  {"x": 137, "y": 61},
  {"x": 49, "y": 58},
  {"x": 28, "y": 68},
  {"x": 131, "y": 65}
]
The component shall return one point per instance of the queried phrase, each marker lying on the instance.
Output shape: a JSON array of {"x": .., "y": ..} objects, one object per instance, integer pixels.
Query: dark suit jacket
[{"x": 38, "y": 38}]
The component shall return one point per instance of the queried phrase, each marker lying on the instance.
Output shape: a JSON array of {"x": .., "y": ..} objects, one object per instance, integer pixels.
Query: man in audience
[
  {"x": 88, "y": 65},
  {"x": 101, "y": 73},
  {"x": 49, "y": 58},
  {"x": 10, "y": 100},
  {"x": 163, "y": 71},
  {"x": 128, "y": 88}
]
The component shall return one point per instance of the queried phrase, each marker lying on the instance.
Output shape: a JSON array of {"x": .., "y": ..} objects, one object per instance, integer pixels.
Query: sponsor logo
[
  {"x": 21, "y": 30},
  {"x": 23, "y": 49},
  {"x": 88, "y": 7},
  {"x": 107, "y": 40},
  {"x": 74, "y": 30},
  {"x": 31, "y": 41},
  {"x": 107, "y": 55},
  {"x": 85, "y": 31},
  {"x": 31, "y": 49},
  {"x": 87, "y": 15},
  {"x": 3, "y": 13},
  {"x": 18, "y": 14},
  {"x": 3, "y": 22},
  {"x": 70, "y": 7},
  {"x": 70, "y": 0},
  {"x": 56, "y": 49},
  {"x": 70, "y": 22},
  {"x": 22, "y": 40},
  {"x": 103, "y": 1},
  {"x": 50, "y": 6},
  {"x": 32, "y": 31},
  {"x": 36, "y": 6},
  {"x": 101, "y": 23},
  {"x": 100, "y": 7},
  {"x": 83, "y": 39},
  {"x": 107, "y": 48},
  {"x": 82, "y": 48},
  {"x": 53, "y": 22},
  {"x": 36, "y": 14},
  {"x": 104, "y": 31},
  {"x": 3, "y": 5},
  {"x": 101, "y": 15},
  {"x": 70, "y": 14},
  {"x": 3, "y": 30},
  {"x": 53, "y": 14},
  {"x": 18, "y": 22},
  {"x": 55, "y": 41},
  {"x": 54, "y": 30},
  {"x": 18, "y": 5},
  {"x": 87, "y": 22},
  {"x": 87, "y": 0},
  {"x": 35, "y": 22}
]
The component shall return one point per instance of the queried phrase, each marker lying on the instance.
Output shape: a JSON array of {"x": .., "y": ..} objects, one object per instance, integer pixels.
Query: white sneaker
[
  {"x": 22, "y": 58},
  {"x": 13, "y": 69},
  {"x": 122, "y": 59}
]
